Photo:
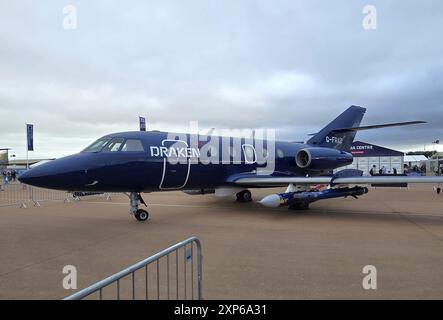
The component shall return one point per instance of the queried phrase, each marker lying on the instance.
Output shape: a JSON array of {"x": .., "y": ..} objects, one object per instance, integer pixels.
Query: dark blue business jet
[{"x": 136, "y": 162}]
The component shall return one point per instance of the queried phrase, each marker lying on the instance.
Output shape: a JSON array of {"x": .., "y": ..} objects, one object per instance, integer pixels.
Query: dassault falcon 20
[{"x": 136, "y": 162}]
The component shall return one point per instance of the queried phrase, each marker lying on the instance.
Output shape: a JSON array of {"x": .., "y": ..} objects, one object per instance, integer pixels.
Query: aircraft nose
[
  {"x": 25, "y": 177},
  {"x": 61, "y": 174},
  {"x": 38, "y": 177}
]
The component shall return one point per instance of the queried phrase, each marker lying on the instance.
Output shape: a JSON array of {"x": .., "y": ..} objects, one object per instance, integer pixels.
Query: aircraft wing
[{"x": 268, "y": 181}]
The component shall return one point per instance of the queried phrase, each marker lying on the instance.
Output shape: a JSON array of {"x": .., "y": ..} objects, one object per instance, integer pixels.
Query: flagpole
[{"x": 27, "y": 151}]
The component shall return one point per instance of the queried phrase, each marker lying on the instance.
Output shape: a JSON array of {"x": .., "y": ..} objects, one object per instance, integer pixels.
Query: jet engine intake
[{"x": 322, "y": 158}]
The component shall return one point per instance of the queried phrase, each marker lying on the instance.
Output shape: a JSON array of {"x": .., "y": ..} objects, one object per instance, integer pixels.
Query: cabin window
[
  {"x": 133, "y": 145},
  {"x": 250, "y": 155},
  {"x": 114, "y": 145},
  {"x": 97, "y": 146},
  {"x": 232, "y": 152},
  {"x": 212, "y": 152}
]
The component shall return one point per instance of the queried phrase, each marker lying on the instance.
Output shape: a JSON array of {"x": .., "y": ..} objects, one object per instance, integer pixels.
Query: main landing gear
[
  {"x": 134, "y": 201},
  {"x": 244, "y": 196}
]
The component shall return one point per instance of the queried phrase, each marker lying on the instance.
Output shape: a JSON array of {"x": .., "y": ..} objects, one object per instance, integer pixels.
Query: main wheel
[
  {"x": 247, "y": 196},
  {"x": 141, "y": 215},
  {"x": 438, "y": 190},
  {"x": 244, "y": 196}
]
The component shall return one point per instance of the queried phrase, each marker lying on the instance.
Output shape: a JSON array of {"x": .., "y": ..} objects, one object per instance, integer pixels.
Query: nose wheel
[
  {"x": 141, "y": 215},
  {"x": 135, "y": 199}
]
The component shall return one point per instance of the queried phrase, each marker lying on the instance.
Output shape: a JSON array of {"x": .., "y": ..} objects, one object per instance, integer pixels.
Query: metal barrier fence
[
  {"x": 134, "y": 281},
  {"x": 14, "y": 194},
  {"x": 20, "y": 195}
]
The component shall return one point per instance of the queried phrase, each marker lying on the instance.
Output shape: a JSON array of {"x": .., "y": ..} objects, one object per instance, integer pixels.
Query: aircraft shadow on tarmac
[{"x": 321, "y": 210}]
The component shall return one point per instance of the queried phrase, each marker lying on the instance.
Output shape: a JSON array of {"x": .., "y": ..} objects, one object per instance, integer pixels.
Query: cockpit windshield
[
  {"x": 97, "y": 146},
  {"x": 115, "y": 145}
]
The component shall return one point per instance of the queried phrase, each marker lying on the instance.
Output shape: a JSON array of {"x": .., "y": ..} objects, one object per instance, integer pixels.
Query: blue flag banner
[
  {"x": 142, "y": 123},
  {"x": 30, "y": 136}
]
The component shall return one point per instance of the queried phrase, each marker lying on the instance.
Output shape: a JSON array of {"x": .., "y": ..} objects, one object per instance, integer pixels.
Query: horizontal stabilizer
[{"x": 378, "y": 126}]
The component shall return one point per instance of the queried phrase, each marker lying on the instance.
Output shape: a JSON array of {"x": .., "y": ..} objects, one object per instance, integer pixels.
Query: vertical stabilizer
[{"x": 340, "y": 140}]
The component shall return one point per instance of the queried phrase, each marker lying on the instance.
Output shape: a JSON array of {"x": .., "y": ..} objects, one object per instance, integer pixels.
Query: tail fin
[{"x": 340, "y": 140}]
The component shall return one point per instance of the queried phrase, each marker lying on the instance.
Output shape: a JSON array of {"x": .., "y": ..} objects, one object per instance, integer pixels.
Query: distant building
[
  {"x": 14, "y": 163},
  {"x": 21, "y": 163},
  {"x": 367, "y": 155},
  {"x": 434, "y": 164},
  {"x": 4, "y": 157},
  {"x": 414, "y": 160}
]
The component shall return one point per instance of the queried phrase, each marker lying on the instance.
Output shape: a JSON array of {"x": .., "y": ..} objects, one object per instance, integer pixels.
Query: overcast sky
[{"x": 290, "y": 65}]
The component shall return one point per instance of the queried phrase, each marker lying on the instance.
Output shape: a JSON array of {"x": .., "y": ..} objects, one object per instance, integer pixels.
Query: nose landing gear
[
  {"x": 141, "y": 215},
  {"x": 134, "y": 201}
]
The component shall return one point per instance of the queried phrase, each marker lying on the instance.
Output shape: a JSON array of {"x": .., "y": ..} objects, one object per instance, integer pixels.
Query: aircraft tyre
[
  {"x": 438, "y": 190},
  {"x": 141, "y": 215},
  {"x": 244, "y": 196}
]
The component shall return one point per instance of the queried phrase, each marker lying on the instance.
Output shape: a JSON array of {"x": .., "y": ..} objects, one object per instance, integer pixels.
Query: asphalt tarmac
[{"x": 250, "y": 252}]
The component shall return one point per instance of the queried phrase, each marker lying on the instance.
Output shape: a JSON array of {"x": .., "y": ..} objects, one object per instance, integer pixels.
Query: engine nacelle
[{"x": 318, "y": 158}]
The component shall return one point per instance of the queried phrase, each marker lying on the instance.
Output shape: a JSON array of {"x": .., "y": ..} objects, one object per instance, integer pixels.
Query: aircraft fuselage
[{"x": 150, "y": 169}]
